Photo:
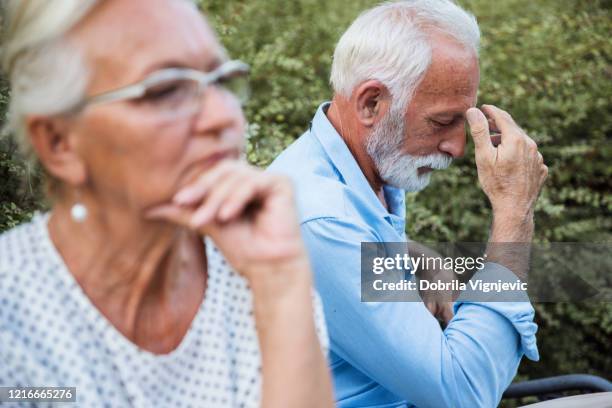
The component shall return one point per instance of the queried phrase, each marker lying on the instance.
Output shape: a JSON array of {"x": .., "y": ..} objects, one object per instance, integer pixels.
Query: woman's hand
[
  {"x": 249, "y": 214},
  {"x": 252, "y": 219}
]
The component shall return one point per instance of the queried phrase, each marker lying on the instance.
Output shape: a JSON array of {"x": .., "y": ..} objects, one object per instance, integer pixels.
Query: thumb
[
  {"x": 479, "y": 129},
  {"x": 170, "y": 212},
  {"x": 180, "y": 216}
]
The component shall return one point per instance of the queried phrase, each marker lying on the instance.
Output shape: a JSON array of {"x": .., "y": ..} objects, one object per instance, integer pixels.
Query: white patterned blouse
[{"x": 52, "y": 335}]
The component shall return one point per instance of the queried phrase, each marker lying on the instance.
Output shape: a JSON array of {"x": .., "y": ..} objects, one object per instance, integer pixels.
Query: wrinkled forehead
[
  {"x": 123, "y": 41},
  {"x": 454, "y": 69},
  {"x": 452, "y": 79}
]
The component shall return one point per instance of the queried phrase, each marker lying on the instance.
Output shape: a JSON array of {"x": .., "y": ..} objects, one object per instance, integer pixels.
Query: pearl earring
[{"x": 78, "y": 212}]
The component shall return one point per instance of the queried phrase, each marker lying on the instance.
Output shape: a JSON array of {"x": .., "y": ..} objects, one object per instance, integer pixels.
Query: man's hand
[
  {"x": 443, "y": 311},
  {"x": 511, "y": 175},
  {"x": 439, "y": 303}
]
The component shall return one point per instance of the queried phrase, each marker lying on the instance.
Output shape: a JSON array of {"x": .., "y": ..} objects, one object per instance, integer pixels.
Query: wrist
[
  {"x": 272, "y": 281},
  {"x": 282, "y": 295},
  {"x": 512, "y": 226},
  {"x": 513, "y": 213}
]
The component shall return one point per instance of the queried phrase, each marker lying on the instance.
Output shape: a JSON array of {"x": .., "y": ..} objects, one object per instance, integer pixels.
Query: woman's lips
[
  {"x": 199, "y": 167},
  {"x": 212, "y": 159}
]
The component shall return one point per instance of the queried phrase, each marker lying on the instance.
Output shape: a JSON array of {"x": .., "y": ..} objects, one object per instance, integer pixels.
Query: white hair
[
  {"x": 391, "y": 43},
  {"x": 47, "y": 74}
]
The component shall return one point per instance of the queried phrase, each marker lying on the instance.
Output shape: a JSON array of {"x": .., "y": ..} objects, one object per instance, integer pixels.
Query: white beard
[{"x": 395, "y": 168}]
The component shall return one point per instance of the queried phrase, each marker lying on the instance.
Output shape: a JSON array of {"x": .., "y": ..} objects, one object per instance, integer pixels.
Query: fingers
[
  {"x": 197, "y": 204},
  {"x": 503, "y": 120},
  {"x": 447, "y": 313},
  {"x": 518, "y": 170},
  {"x": 492, "y": 126},
  {"x": 479, "y": 129},
  {"x": 221, "y": 194},
  {"x": 252, "y": 190},
  {"x": 502, "y": 126},
  {"x": 440, "y": 310},
  {"x": 432, "y": 307},
  {"x": 217, "y": 196},
  {"x": 544, "y": 173},
  {"x": 495, "y": 139},
  {"x": 240, "y": 198},
  {"x": 170, "y": 212},
  {"x": 196, "y": 191}
]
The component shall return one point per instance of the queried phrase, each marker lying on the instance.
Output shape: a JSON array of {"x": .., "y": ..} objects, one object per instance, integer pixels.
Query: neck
[
  {"x": 355, "y": 138},
  {"x": 144, "y": 277}
]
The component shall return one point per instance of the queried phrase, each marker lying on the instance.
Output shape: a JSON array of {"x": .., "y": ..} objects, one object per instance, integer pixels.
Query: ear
[
  {"x": 54, "y": 145},
  {"x": 372, "y": 102}
]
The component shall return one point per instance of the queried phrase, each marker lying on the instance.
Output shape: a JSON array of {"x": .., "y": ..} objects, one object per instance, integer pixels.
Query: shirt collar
[{"x": 341, "y": 157}]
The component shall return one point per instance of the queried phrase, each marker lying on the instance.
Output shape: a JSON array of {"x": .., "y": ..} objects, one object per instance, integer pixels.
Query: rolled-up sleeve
[{"x": 400, "y": 345}]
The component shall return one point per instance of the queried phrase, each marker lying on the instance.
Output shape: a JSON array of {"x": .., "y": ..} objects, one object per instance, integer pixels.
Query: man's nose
[
  {"x": 453, "y": 142},
  {"x": 219, "y": 111}
]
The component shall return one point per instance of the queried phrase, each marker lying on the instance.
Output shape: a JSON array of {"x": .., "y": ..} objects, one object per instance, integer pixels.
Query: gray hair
[
  {"x": 391, "y": 43},
  {"x": 46, "y": 73}
]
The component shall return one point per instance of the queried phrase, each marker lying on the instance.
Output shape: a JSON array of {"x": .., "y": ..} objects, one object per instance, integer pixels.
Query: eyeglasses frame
[{"x": 139, "y": 89}]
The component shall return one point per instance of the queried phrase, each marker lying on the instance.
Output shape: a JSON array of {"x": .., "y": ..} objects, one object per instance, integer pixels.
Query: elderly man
[{"x": 405, "y": 78}]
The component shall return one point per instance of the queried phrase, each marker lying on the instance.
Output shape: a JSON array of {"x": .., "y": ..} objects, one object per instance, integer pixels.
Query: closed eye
[
  {"x": 161, "y": 92},
  {"x": 441, "y": 123}
]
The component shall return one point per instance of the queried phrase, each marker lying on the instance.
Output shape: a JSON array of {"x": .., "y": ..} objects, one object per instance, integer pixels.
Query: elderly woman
[{"x": 122, "y": 290}]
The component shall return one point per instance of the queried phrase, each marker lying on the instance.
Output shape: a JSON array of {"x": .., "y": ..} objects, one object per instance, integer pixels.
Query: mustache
[{"x": 437, "y": 161}]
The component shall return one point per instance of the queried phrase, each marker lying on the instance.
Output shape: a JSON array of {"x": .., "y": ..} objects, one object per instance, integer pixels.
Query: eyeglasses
[{"x": 177, "y": 92}]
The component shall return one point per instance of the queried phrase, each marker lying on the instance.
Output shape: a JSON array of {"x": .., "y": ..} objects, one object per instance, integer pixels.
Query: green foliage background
[{"x": 547, "y": 62}]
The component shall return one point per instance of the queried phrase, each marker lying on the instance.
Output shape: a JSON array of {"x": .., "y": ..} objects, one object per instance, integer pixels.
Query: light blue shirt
[{"x": 392, "y": 354}]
